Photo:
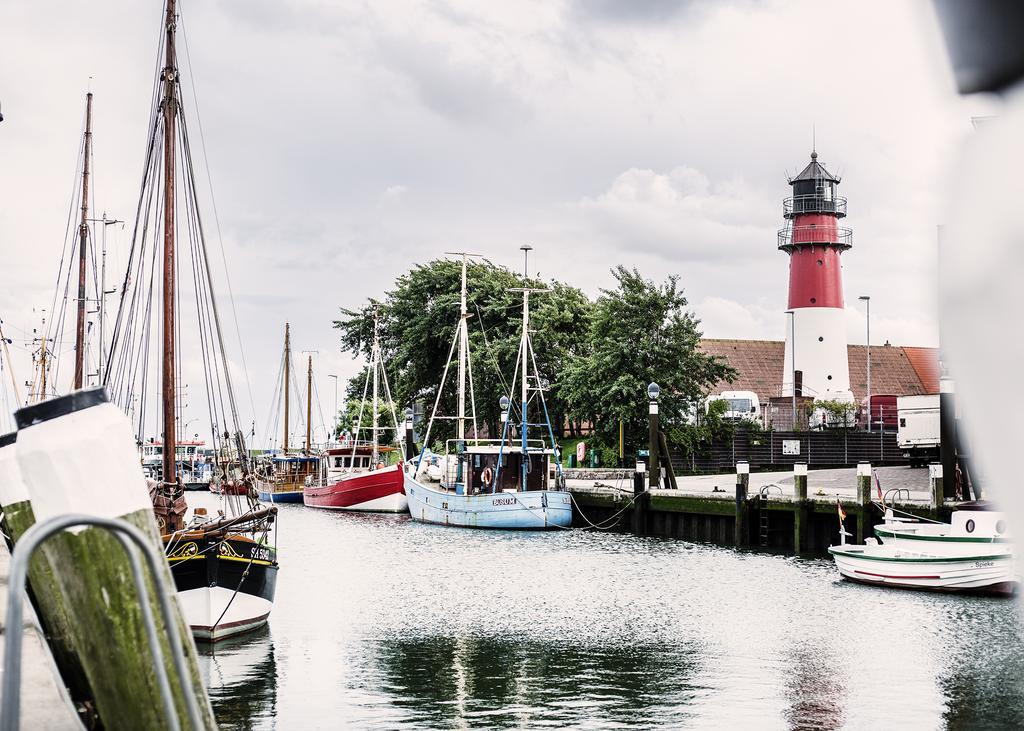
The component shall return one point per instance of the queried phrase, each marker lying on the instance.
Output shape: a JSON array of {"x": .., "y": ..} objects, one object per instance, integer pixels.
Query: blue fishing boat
[{"x": 510, "y": 483}]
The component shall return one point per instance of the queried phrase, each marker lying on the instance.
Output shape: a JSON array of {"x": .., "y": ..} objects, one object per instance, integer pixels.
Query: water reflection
[
  {"x": 982, "y": 684},
  {"x": 383, "y": 623},
  {"x": 241, "y": 675},
  {"x": 493, "y": 682},
  {"x": 816, "y": 686}
]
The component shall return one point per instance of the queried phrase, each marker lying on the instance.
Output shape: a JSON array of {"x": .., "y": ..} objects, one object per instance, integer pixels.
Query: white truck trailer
[{"x": 918, "y": 429}]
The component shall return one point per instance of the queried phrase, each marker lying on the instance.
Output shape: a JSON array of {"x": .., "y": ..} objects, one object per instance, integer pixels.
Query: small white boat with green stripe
[{"x": 973, "y": 553}]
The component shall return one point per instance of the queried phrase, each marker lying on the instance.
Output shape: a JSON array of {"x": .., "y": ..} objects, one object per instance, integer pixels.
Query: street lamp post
[
  {"x": 792, "y": 361},
  {"x": 410, "y": 442},
  {"x": 654, "y": 469},
  {"x": 866, "y": 299},
  {"x": 334, "y": 419}
]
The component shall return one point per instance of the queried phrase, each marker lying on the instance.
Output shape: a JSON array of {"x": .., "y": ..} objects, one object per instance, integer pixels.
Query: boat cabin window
[
  {"x": 347, "y": 462},
  {"x": 509, "y": 476}
]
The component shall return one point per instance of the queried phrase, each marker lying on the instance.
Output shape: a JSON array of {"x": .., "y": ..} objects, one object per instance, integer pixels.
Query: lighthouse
[{"x": 816, "y": 359}]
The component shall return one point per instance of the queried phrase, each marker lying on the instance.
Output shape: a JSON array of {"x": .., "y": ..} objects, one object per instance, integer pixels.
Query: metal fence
[{"x": 782, "y": 449}]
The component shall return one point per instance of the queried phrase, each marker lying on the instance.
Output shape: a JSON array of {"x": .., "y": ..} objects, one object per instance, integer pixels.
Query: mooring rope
[{"x": 607, "y": 524}]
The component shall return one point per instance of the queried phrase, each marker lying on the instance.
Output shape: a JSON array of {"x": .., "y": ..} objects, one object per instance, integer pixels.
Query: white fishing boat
[
  {"x": 971, "y": 554},
  {"x": 494, "y": 483}
]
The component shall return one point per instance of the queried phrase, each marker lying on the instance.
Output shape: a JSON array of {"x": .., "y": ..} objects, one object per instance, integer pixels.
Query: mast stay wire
[{"x": 216, "y": 214}]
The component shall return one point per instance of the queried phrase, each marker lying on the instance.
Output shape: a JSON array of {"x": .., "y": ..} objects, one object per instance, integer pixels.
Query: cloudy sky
[{"x": 347, "y": 141}]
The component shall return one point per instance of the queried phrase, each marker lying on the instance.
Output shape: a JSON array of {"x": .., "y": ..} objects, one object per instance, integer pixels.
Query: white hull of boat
[
  {"x": 992, "y": 572},
  {"x": 204, "y": 611},
  {"x": 532, "y": 510}
]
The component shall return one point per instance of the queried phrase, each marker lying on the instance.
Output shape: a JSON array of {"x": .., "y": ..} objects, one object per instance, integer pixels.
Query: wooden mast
[
  {"x": 169, "y": 383},
  {"x": 287, "y": 377},
  {"x": 309, "y": 405},
  {"x": 83, "y": 240}
]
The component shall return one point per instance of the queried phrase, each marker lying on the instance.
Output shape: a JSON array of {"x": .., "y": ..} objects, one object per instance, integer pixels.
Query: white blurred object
[
  {"x": 77, "y": 454},
  {"x": 981, "y": 265},
  {"x": 12, "y": 486}
]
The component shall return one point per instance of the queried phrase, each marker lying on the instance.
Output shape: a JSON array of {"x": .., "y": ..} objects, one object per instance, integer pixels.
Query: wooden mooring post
[
  {"x": 742, "y": 531},
  {"x": 935, "y": 486},
  {"x": 801, "y": 508},
  {"x": 864, "y": 523},
  {"x": 641, "y": 499}
]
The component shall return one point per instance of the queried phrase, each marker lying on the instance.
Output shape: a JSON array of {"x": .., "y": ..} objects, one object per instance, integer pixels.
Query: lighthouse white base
[{"x": 820, "y": 352}]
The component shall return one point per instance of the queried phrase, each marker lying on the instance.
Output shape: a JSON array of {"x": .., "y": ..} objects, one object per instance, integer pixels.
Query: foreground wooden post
[
  {"x": 801, "y": 512},
  {"x": 18, "y": 517},
  {"x": 742, "y": 532},
  {"x": 77, "y": 455},
  {"x": 864, "y": 522}
]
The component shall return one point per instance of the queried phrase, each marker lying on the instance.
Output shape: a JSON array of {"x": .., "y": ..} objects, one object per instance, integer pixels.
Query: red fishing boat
[
  {"x": 356, "y": 476},
  {"x": 351, "y": 481}
]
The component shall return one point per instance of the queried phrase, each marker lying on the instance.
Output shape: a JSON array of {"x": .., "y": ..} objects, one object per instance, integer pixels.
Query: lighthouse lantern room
[{"x": 814, "y": 240}]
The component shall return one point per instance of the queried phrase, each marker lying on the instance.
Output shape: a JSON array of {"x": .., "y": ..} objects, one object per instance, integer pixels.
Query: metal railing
[
  {"x": 10, "y": 710},
  {"x": 798, "y": 204},
  {"x": 791, "y": 236}
]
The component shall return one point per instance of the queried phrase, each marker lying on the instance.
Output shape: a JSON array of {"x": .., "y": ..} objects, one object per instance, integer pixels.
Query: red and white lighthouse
[{"x": 816, "y": 358}]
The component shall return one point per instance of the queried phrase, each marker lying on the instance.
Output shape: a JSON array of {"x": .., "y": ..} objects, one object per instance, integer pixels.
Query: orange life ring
[{"x": 487, "y": 476}]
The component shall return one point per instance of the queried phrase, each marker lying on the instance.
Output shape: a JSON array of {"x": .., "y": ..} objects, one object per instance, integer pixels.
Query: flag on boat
[
  {"x": 878, "y": 485},
  {"x": 842, "y": 513}
]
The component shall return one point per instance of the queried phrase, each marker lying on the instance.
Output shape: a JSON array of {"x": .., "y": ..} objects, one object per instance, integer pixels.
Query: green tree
[
  {"x": 639, "y": 332},
  {"x": 418, "y": 318}
]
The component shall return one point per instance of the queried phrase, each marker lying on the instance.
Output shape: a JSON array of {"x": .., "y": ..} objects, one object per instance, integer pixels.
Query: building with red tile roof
[{"x": 896, "y": 370}]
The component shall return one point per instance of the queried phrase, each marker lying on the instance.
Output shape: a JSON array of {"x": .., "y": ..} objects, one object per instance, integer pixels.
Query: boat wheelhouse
[
  {"x": 281, "y": 478},
  {"x": 972, "y": 525}
]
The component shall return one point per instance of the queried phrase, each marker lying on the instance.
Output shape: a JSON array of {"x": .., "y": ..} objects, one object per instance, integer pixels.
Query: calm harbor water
[{"x": 384, "y": 623}]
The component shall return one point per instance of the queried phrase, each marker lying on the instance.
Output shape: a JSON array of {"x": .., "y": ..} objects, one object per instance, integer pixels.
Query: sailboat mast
[
  {"x": 524, "y": 366},
  {"x": 309, "y": 405},
  {"x": 287, "y": 377},
  {"x": 83, "y": 239},
  {"x": 463, "y": 345},
  {"x": 524, "y": 395},
  {"x": 42, "y": 368},
  {"x": 376, "y": 367},
  {"x": 170, "y": 114}
]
